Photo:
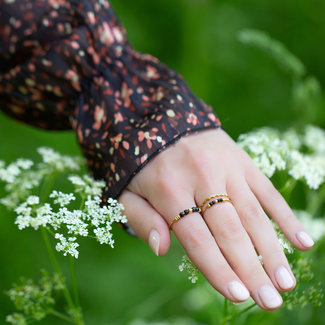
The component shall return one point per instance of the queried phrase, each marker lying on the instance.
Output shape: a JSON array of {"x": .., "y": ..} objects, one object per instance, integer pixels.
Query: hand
[{"x": 224, "y": 243}]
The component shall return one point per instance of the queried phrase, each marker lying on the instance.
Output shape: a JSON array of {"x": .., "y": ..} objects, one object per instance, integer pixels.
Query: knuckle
[
  {"x": 253, "y": 212},
  {"x": 197, "y": 239},
  {"x": 275, "y": 253},
  {"x": 165, "y": 182},
  {"x": 231, "y": 229}
]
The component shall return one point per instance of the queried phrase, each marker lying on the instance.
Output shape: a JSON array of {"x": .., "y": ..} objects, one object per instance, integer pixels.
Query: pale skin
[{"x": 225, "y": 243}]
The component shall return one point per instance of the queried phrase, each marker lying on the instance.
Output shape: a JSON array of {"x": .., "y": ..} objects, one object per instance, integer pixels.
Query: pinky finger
[
  {"x": 278, "y": 209},
  {"x": 147, "y": 223}
]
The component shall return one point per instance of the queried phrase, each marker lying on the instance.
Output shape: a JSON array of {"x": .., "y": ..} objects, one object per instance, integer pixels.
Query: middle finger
[{"x": 236, "y": 246}]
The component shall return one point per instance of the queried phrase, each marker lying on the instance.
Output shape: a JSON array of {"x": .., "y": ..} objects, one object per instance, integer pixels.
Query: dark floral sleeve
[{"x": 68, "y": 65}]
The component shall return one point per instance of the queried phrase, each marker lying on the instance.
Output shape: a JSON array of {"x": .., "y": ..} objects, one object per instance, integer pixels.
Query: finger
[
  {"x": 238, "y": 250},
  {"x": 263, "y": 236},
  {"x": 147, "y": 223},
  {"x": 200, "y": 245},
  {"x": 278, "y": 209}
]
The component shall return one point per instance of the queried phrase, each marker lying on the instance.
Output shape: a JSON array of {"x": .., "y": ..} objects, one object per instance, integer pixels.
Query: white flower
[
  {"x": 103, "y": 235},
  {"x": 24, "y": 163},
  {"x": 87, "y": 184},
  {"x": 63, "y": 199},
  {"x": 67, "y": 246},
  {"x": 188, "y": 266},
  {"x": 23, "y": 221},
  {"x": 315, "y": 139},
  {"x": 58, "y": 161},
  {"x": 266, "y": 149},
  {"x": 310, "y": 168},
  {"x": 272, "y": 151},
  {"x": 76, "y": 180},
  {"x": 32, "y": 200},
  {"x": 10, "y": 173},
  {"x": 24, "y": 209},
  {"x": 93, "y": 217}
]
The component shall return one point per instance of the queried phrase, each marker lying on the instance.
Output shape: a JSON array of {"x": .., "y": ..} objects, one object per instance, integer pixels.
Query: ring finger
[
  {"x": 200, "y": 245},
  {"x": 237, "y": 248}
]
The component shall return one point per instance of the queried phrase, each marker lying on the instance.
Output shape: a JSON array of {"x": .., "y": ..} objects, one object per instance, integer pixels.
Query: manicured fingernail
[
  {"x": 238, "y": 291},
  {"x": 269, "y": 296},
  {"x": 305, "y": 239},
  {"x": 154, "y": 241},
  {"x": 284, "y": 278}
]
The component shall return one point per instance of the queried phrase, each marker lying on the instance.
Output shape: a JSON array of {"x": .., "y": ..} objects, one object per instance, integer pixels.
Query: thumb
[{"x": 147, "y": 223}]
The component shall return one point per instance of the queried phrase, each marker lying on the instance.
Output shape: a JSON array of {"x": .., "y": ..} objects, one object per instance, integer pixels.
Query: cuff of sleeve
[
  {"x": 117, "y": 149},
  {"x": 131, "y": 109}
]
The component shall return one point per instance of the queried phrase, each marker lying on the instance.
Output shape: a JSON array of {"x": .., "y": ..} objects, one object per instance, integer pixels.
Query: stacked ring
[
  {"x": 212, "y": 197},
  {"x": 216, "y": 201},
  {"x": 184, "y": 213}
]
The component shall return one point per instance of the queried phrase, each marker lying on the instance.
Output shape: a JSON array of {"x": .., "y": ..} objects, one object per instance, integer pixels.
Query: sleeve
[{"x": 68, "y": 65}]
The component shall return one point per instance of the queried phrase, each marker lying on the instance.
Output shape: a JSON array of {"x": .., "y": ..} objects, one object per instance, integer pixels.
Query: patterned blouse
[{"x": 67, "y": 64}]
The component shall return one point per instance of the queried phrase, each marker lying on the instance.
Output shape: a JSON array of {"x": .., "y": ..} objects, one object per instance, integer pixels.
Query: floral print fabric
[{"x": 69, "y": 65}]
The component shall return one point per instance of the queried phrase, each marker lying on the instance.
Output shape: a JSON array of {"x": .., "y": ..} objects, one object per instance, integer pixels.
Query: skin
[{"x": 225, "y": 243}]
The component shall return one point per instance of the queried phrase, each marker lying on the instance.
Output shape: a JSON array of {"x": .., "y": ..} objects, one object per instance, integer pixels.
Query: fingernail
[
  {"x": 305, "y": 239},
  {"x": 284, "y": 278},
  {"x": 238, "y": 291},
  {"x": 270, "y": 297},
  {"x": 154, "y": 241}
]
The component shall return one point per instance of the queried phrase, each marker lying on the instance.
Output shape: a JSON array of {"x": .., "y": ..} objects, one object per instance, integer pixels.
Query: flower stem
[
  {"x": 246, "y": 309},
  {"x": 56, "y": 267},
  {"x": 62, "y": 316},
  {"x": 83, "y": 199},
  {"x": 47, "y": 187},
  {"x": 74, "y": 281},
  {"x": 225, "y": 308},
  {"x": 287, "y": 188}
]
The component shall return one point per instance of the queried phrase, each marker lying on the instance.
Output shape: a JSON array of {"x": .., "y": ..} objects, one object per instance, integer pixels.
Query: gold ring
[
  {"x": 184, "y": 213},
  {"x": 212, "y": 197},
  {"x": 216, "y": 201}
]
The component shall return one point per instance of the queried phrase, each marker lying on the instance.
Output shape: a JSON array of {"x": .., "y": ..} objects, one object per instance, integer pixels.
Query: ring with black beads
[{"x": 184, "y": 213}]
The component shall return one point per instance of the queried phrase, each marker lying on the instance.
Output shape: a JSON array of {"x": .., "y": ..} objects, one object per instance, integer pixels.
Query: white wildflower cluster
[
  {"x": 93, "y": 218},
  {"x": 87, "y": 184},
  {"x": 302, "y": 156},
  {"x": 75, "y": 223},
  {"x": 266, "y": 149},
  {"x": 314, "y": 139},
  {"x": 22, "y": 176},
  {"x": 61, "y": 198},
  {"x": 13, "y": 170},
  {"x": 59, "y": 162},
  {"x": 310, "y": 168},
  {"x": 67, "y": 246},
  {"x": 191, "y": 269}
]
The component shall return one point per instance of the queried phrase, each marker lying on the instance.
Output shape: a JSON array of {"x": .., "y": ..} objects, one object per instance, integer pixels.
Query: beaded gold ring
[
  {"x": 212, "y": 197},
  {"x": 216, "y": 201},
  {"x": 184, "y": 213}
]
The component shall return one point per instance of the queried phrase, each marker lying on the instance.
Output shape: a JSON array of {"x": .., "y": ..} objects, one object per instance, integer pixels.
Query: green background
[{"x": 247, "y": 89}]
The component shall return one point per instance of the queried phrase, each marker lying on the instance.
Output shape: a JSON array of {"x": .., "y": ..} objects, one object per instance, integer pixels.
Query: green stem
[
  {"x": 246, "y": 309},
  {"x": 45, "y": 192},
  {"x": 47, "y": 187},
  {"x": 225, "y": 308},
  {"x": 56, "y": 267},
  {"x": 62, "y": 316},
  {"x": 288, "y": 187},
  {"x": 74, "y": 281},
  {"x": 83, "y": 199}
]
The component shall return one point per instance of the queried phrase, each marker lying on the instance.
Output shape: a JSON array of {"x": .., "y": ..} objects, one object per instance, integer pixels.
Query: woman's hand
[{"x": 225, "y": 243}]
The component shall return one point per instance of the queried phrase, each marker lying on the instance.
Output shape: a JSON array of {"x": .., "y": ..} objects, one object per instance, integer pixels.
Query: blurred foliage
[{"x": 246, "y": 87}]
